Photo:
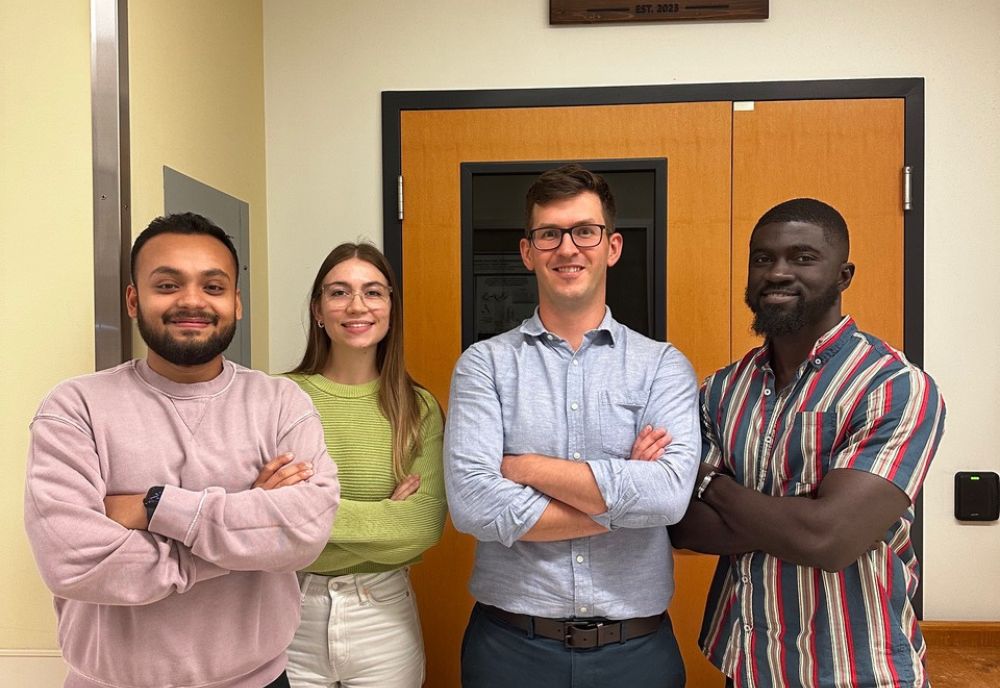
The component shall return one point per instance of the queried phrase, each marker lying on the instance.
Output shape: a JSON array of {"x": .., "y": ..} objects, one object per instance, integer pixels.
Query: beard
[
  {"x": 775, "y": 321},
  {"x": 182, "y": 352}
]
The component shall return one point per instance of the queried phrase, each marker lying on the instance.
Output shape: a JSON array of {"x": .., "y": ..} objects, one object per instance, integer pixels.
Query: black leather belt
[{"x": 578, "y": 633}]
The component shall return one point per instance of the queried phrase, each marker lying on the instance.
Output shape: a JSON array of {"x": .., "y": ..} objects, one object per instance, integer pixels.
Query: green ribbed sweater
[{"x": 372, "y": 533}]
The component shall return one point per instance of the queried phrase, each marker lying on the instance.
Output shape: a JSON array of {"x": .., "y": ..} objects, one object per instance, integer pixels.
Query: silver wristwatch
[{"x": 705, "y": 482}]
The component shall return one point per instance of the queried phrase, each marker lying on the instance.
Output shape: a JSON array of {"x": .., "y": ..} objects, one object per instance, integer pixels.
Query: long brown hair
[{"x": 397, "y": 394}]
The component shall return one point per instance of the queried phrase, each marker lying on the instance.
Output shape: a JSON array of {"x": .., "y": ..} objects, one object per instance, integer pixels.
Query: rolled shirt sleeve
[
  {"x": 481, "y": 501},
  {"x": 645, "y": 494}
]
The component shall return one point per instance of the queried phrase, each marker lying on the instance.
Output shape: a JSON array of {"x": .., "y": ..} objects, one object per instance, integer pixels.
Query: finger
[
  {"x": 404, "y": 493},
  {"x": 288, "y": 472},
  {"x": 646, "y": 442},
  {"x": 408, "y": 484},
  {"x": 268, "y": 469},
  {"x": 406, "y": 487},
  {"x": 654, "y": 450},
  {"x": 649, "y": 435},
  {"x": 399, "y": 495},
  {"x": 637, "y": 444},
  {"x": 278, "y": 461},
  {"x": 299, "y": 477}
]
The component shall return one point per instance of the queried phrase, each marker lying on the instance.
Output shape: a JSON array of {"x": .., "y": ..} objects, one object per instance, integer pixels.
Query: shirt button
[
  {"x": 745, "y": 579},
  {"x": 576, "y": 455},
  {"x": 551, "y": 337},
  {"x": 818, "y": 361},
  {"x": 583, "y": 610},
  {"x": 574, "y": 406},
  {"x": 767, "y": 392},
  {"x": 747, "y": 628},
  {"x": 576, "y": 362},
  {"x": 579, "y": 558}
]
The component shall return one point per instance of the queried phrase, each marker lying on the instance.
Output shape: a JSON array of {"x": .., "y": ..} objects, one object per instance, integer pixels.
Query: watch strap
[
  {"x": 705, "y": 482},
  {"x": 152, "y": 500}
]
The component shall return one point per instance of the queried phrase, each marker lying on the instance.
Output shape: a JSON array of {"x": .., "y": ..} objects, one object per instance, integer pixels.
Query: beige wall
[
  {"x": 46, "y": 279},
  {"x": 326, "y": 64},
  {"x": 197, "y": 106}
]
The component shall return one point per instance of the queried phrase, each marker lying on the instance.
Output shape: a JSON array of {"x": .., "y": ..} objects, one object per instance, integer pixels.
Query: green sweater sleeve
[{"x": 396, "y": 532}]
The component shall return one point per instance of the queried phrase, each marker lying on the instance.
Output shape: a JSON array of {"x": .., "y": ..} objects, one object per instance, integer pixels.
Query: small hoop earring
[{"x": 319, "y": 323}]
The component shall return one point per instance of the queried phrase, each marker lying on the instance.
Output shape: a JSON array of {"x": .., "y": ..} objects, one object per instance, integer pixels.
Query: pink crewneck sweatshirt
[{"x": 208, "y": 596}]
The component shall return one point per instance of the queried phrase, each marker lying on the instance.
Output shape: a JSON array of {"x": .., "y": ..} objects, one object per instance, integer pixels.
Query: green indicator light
[{"x": 973, "y": 477}]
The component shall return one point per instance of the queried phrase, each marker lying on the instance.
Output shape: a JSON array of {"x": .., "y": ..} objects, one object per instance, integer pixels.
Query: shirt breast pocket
[
  {"x": 811, "y": 447},
  {"x": 620, "y": 413}
]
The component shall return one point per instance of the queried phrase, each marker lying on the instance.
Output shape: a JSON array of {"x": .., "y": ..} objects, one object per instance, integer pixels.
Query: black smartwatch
[{"x": 151, "y": 500}]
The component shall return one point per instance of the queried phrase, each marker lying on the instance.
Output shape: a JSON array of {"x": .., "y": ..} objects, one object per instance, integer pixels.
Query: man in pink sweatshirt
[{"x": 170, "y": 500}]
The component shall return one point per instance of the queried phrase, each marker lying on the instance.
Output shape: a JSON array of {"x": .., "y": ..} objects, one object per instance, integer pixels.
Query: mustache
[{"x": 182, "y": 314}]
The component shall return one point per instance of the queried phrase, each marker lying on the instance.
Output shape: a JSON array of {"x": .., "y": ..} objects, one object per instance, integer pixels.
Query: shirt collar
[
  {"x": 825, "y": 348},
  {"x": 533, "y": 327}
]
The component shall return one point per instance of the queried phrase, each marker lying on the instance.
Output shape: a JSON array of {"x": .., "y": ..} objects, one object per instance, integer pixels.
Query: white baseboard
[{"x": 34, "y": 668}]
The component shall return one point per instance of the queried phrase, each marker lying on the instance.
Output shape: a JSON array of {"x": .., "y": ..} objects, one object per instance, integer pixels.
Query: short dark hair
[
  {"x": 813, "y": 212},
  {"x": 182, "y": 223},
  {"x": 565, "y": 182}
]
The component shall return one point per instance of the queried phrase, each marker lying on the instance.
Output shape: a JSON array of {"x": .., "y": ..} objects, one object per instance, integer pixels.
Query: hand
[
  {"x": 650, "y": 443},
  {"x": 127, "y": 510},
  {"x": 407, "y": 486},
  {"x": 278, "y": 473}
]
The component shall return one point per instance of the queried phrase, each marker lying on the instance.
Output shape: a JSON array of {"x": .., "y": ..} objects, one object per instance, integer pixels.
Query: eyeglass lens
[{"x": 584, "y": 236}]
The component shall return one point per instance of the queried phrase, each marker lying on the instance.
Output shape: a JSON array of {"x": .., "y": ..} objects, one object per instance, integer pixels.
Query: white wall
[{"x": 326, "y": 64}]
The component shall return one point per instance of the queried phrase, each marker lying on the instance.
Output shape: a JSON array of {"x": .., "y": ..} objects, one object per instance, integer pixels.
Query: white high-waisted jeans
[{"x": 357, "y": 631}]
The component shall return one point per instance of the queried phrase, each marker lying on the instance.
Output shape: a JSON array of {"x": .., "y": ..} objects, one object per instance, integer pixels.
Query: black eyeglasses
[{"x": 549, "y": 238}]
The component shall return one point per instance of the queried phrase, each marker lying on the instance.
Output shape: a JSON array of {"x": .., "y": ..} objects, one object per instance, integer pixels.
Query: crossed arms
[
  {"x": 574, "y": 496},
  {"x": 83, "y": 553},
  {"x": 886, "y": 446},
  {"x": 535, "y": 497}
]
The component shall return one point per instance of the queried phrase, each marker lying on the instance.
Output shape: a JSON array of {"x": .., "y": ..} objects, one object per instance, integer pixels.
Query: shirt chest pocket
[
  {"x": 809, "y": 450},
  {"x": 620, "y": 413}
]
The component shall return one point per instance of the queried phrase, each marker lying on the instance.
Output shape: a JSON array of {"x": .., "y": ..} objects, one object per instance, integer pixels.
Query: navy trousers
[{"x": 497, "y": 655}]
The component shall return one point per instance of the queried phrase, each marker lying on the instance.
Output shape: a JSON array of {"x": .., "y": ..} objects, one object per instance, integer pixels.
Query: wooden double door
[{"x": 728, "y": 163}]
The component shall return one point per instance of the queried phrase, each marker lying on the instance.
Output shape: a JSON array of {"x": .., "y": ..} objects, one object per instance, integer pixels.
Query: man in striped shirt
[{"x": 814, "y": 447}]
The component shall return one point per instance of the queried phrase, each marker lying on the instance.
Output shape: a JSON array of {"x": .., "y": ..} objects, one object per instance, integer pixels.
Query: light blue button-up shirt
[{"x": 527, "y": 391}]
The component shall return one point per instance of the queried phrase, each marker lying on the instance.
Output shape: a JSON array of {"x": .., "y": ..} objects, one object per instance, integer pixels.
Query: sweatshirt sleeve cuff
[{"x": 177, "y": 514}]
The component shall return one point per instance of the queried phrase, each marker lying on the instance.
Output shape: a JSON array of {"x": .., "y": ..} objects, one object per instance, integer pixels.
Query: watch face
[
  {"x": 705, "y": 482},
  {"x": 152, "y": 497}
]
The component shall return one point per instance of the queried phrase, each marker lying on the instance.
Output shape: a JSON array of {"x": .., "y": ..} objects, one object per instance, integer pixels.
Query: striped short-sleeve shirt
[{"x": 855, "y": 403}]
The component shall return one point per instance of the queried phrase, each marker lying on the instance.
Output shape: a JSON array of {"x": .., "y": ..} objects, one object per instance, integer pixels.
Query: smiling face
[
  {"x": 184, "y": 299},
  {"x": 571, "y": 278},
  {"x": 354, "y": 305},
  {"x": 795, "y": 279}
]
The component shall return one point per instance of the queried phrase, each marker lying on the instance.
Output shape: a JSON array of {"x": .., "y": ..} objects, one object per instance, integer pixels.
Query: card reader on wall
[{"x": 977, "y": 496}]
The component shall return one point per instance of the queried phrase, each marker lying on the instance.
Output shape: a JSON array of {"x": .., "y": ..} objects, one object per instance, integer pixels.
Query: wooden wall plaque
[{"x": 611, "y": 11}]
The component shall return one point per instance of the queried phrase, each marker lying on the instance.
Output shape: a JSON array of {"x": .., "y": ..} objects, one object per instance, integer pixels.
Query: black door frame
[{"x": 910, "y": 89}]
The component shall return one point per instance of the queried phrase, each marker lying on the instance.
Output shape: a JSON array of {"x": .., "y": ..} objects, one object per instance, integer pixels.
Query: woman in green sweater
[{"x": 359, "y": 618}]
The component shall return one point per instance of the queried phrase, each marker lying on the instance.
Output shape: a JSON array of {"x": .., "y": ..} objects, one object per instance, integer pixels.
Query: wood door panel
[
  {"x": 848, "y": 153},
  {"x": 696, "y": 140}
]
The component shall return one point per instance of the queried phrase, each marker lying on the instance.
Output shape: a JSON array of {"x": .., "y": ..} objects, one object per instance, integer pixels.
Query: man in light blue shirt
[{"x": 571, "y": 442}]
